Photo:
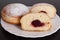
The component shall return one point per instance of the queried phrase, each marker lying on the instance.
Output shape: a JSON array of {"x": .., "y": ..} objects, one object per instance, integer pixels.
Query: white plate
[{"x": 18, "y": 32}]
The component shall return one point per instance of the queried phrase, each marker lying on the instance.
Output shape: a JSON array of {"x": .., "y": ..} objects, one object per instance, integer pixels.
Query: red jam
[
  {"x": 37, "y": 23},
  {"x": 43, "y": 11}
]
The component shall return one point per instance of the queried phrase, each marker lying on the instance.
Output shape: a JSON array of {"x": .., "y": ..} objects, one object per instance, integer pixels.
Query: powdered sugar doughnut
[
  {"x": 11, "y": 13},
  {"x": 16, "y": 9},
  {"x": 47, "y": 8}
]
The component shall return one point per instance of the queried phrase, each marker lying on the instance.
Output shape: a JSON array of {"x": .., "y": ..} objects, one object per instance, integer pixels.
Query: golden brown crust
[
  {"x": 10, "y": 22},
  {"x": 3, "y": 17}
]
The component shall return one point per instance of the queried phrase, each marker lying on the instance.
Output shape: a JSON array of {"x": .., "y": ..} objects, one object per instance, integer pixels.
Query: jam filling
[
  {"x": 37, "y": 23},
  {"x": 43, "y": 11}
]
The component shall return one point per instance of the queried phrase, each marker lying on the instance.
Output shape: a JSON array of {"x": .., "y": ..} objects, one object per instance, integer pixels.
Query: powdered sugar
[{"x": 16, "y": 9}]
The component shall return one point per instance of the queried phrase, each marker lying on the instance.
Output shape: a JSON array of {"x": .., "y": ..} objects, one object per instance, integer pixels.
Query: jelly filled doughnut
[
  {"x": 11, "y": 13},
  {"x": 48, "y": 9},
  {"x": 35, "y": 22}
]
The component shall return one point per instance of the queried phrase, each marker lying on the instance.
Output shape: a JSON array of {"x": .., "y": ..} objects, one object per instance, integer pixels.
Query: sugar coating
[{"x": 16, "y": 9}]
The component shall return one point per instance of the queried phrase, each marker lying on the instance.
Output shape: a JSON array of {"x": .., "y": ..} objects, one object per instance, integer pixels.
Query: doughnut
[
  {"x": 47, "y": 8},
  {"x": 12, "y": 13},
  {"x": 35, "y": 22}
]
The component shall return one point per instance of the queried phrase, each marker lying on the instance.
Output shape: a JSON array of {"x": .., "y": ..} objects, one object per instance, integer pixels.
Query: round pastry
[
  {"x": 35, "y": 22},
  {"x": 48, "y": 9},
  {"x": 12, "y": 12}
]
